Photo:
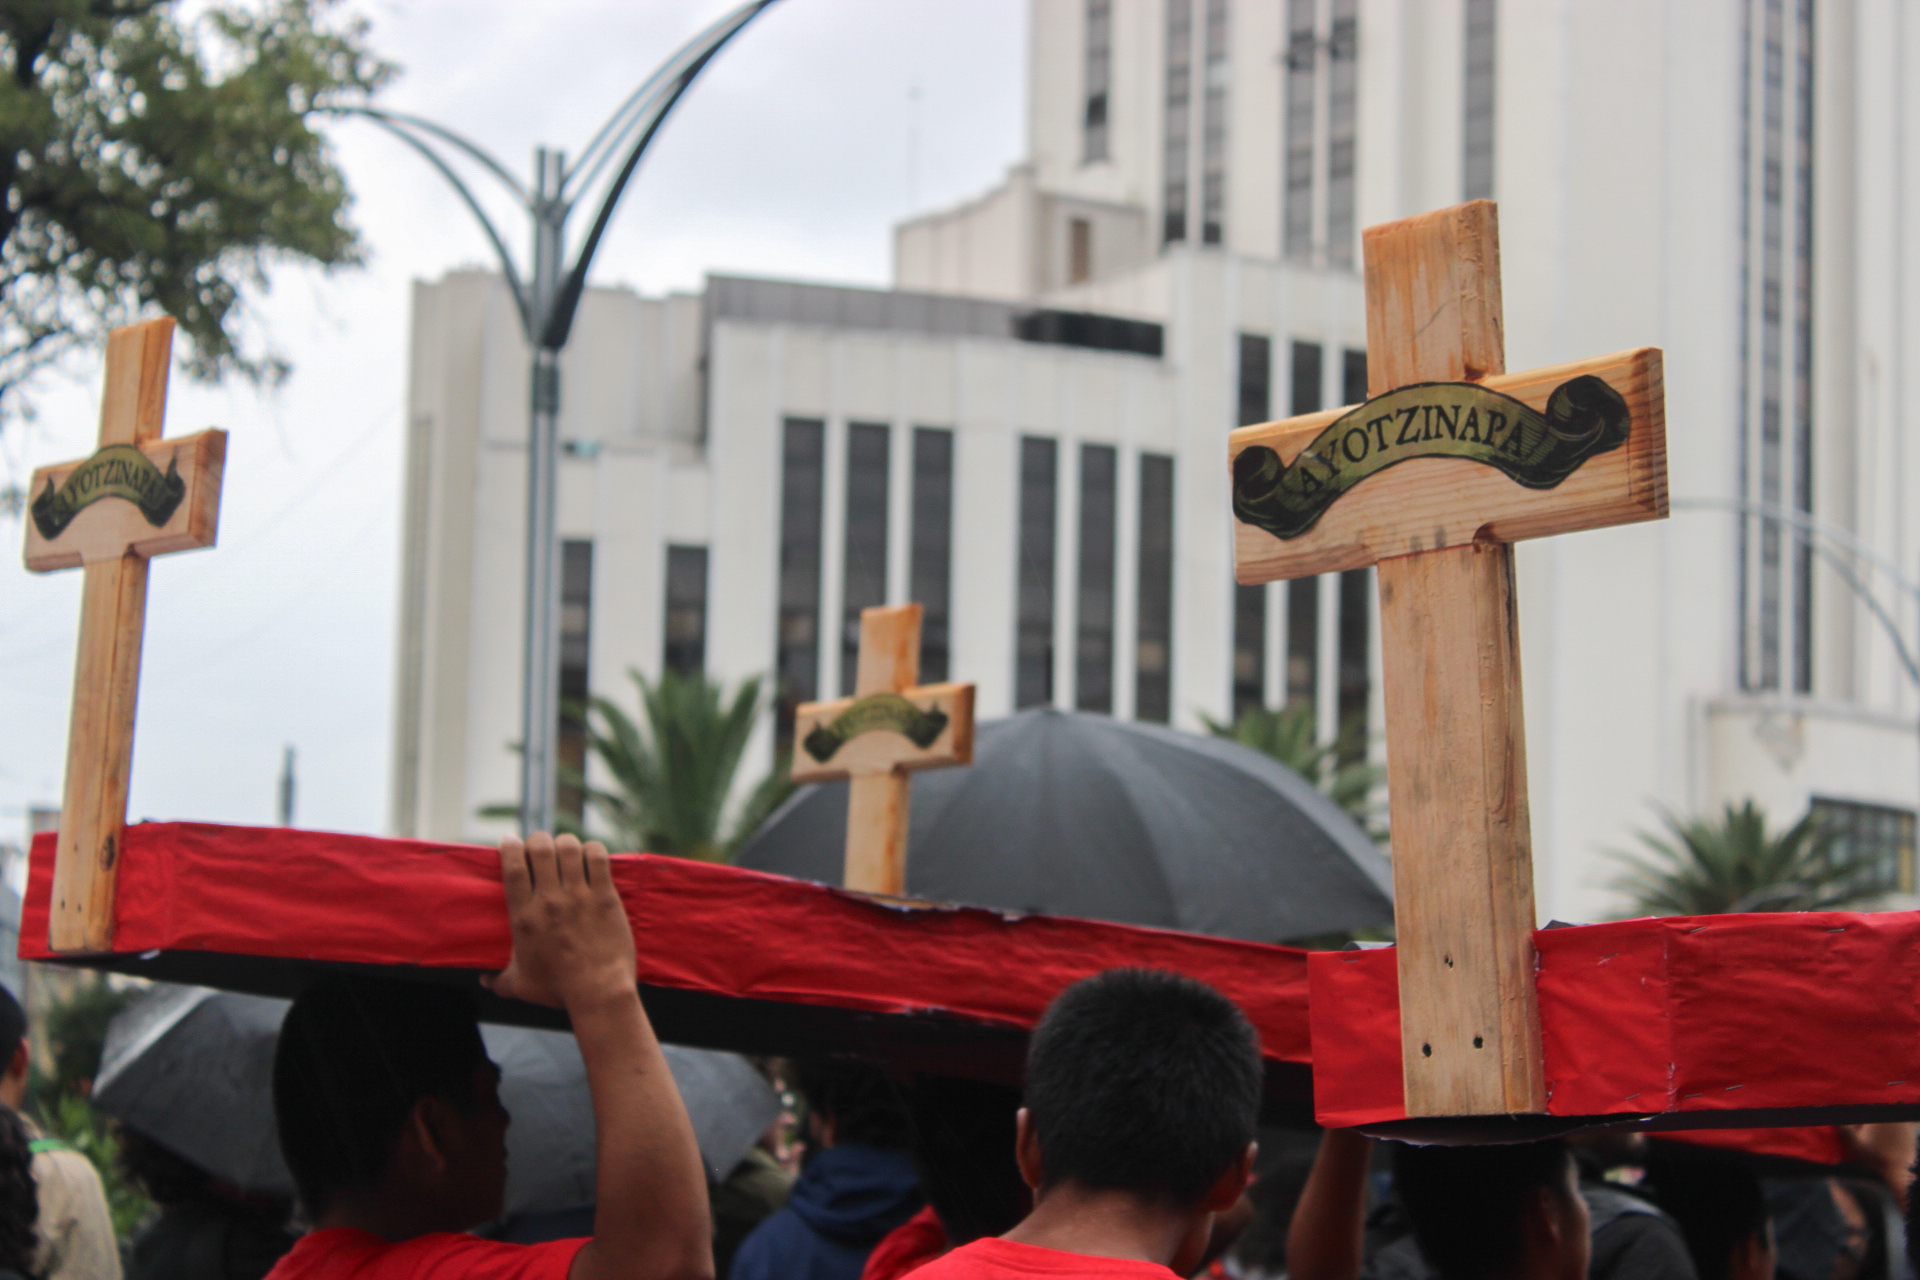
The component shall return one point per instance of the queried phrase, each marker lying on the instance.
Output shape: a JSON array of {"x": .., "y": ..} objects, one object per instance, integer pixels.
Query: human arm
[
  {"x": 573, "y": 949},
  {"x": 1328, "y": 1234}
]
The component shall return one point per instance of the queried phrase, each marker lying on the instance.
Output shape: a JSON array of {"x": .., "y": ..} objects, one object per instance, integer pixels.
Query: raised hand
[{"x": 572, "y": 942}]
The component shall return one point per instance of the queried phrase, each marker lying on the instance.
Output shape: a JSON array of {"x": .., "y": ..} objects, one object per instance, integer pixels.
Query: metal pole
[{"x": 540, "y": 674}]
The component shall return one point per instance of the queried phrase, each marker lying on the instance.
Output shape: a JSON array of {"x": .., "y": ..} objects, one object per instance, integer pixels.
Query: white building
[{"x": 1029, "y": 433}]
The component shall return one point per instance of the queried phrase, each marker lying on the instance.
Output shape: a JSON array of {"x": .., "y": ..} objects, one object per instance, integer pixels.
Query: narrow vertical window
[
  {"x": 1179, "y": 121},
  {"x": 1306, "y": 377},
  {"x": 802, "y": 477},
  {"x": 864, "y": 580},
  {"x": 1213, "y": 128},
  {"x": 1079, "y": 251},
  {"x": 1303, "y": 60},
  {"x": 1476, "y": 170},
  {"x": 1153, "y": 623},
  {"x": 1343, "y": 131},
  {"x": 576, "y": 629},
  {"x": 1353, "y": 376},
  {"x": 930, "y": 575},
  {"x": 1802, "y": 588},
  {"x": 686, "y": 610},
  {"x": 1250, "y": 602},
  {"x": 1354, "y": 672},
  {"x": 1099, "y": 77},
  {"x": 1093, "y": 658},
  {"x": 1039, "y": 499}
]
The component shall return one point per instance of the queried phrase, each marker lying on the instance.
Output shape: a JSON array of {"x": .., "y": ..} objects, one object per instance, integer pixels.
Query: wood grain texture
[
  {"x": 1427, "y": 503},
  {"x": 1456, "y": 744},
  {"x": 113, "y": 527},
  {"x": 883, "y": 750},
  {"x": 889, "y": 649},
  {"x": 113, "y": 611},
  {"x": 878, "y": 819}
]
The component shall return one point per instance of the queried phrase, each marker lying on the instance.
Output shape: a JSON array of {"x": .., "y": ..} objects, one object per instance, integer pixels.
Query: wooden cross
[
  {"x": 1450, "y": 461},
  {"x": 137, "y": 497},
  {"x": 887, "y": 729}
]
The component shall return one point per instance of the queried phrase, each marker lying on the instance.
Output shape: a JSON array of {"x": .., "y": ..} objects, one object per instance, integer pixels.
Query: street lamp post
[{"x": 547, "y": 299}]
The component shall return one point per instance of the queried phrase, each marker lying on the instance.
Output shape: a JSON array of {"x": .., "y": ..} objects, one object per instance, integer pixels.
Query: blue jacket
[{"x": 846, "y": 1199}]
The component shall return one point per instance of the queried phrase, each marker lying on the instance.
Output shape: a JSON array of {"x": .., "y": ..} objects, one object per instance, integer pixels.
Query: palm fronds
[
  {"x": 1704, "y": 866},
  {"x": 1339, "y": 769}
]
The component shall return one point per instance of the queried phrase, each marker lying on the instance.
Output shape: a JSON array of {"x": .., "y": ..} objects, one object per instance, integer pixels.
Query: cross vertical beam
[
  {"x": 878, "y": 806},
  {"x": 1456, "y": 764}
]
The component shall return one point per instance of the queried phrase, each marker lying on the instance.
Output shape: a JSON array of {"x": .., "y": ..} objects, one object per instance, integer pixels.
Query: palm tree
[
  {"x": 1339, "y": 769},
  {"x": 1733, "y": 863},
  {"x": 668, "y": 784}
]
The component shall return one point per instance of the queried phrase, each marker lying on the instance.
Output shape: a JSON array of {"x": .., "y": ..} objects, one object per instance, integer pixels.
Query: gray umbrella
[
  {"x": 1084, "y": 815},
  {"x": 193, "y": 1069}
]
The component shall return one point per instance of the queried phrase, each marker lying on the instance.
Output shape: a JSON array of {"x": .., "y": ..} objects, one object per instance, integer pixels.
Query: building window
[
  {"x": 864, "y": 580},
  {"x": 1476, "y": 170},
  {"x": 1093, "y": 658},
  {"x": 1355, "y": 672},
  {"x": 1776, "y": 344},
  {"x": 1099, "y": 74},
  {"x": 1079, "y": 251},
  {"x": 1039, "y": 501},
  {"x": 686, "y": 610},
  {"x": 931, "y": 567},
  {"x": 1153, "y": 621},
  {"x": 1213, "y": 129},
  {"x": 1303, "y": 61},
  {"x": 797, "y": 657},
  {"x": 1343, "y": 131},
  {"x": 576, "y": 629},
  {"x": 1179, "y": 121},
  {"x": 1870, "y": 835},
  {"x": 1306, "y": 378},
  {"x": 1250, "y": 602},
  {"x": 1353, "y": 376}
]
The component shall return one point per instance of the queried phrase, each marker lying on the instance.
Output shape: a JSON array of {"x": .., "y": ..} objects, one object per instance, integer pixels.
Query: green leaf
[
  {"x": 1339, "y": 769},
  {"x": 1735, "y": 864}
]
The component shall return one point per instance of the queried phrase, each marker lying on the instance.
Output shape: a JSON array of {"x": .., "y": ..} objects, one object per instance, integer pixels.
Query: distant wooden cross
[
  {"x": 891, "y": 726},
  {"x": 137, "y": 497},
  {"x": 1449, "y": 461}
]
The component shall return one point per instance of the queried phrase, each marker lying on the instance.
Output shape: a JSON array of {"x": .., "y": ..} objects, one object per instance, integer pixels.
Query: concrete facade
[{"x": 1726, "y": 179}]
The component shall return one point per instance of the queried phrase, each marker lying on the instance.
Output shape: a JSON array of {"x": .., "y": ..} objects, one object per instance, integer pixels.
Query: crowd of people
[{"x": 1132, "y": 1152}]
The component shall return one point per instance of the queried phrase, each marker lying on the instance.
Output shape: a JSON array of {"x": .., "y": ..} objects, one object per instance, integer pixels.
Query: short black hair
[
  {"x": 963, "y": 1148},
  {"x": 1143, "y": 1081},
  {"x": 355, "y": 1054},
  {"x": 1718, "y": 1204},
  {"x": 864, "y": 1103},
  {"x": 1467, "y": 1204},
  {"x": 13, "y": 1027}
]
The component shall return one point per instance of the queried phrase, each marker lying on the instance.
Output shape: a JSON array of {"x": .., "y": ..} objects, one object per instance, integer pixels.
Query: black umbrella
[
  {"x": 192, "y": 1068},
  {"x": 1083, "y": 815}
]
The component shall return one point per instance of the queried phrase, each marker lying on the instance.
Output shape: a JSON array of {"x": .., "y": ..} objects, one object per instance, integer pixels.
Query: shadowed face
[{"x": 475, "y": 1139}]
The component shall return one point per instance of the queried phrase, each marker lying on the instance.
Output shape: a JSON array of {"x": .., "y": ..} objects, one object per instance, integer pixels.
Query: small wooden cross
[
  {"x": 137, "y": 497},
  {"x": 1450, "y": 461},
  {"x": 887, "y": 729}
]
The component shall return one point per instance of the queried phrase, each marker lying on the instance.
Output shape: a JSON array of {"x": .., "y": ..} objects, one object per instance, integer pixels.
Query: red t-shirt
[
  {"x": 344, "y": 1253},
  {"x": 908, "y": 1247},
  {"x": 994, "y": 1259}
]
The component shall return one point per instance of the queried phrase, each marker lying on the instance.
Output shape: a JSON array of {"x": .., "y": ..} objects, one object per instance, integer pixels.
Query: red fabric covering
[
  {"x": 189, "y": 887},
  {"x": 992, "y": 1259},
  {"x": 908, "y": 1247},
  {"x": 343, "y": 1253},
  {"x": 1722, "y": 1018}
]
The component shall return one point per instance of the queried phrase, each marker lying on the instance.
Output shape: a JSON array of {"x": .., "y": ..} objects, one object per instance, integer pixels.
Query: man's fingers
[
  {"x": 513, "y": 871},
  {"x": 598, "y": 865},
  {"x": 567, "y": 855},
  {"x": 540, "y": 857}
]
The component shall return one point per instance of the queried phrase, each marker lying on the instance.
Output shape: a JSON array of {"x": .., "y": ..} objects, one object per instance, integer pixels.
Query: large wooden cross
[
  {"x": 891, "y": 726},
  {"x": 1450, "y": 461},
  {"x": 137, "y": 497}
]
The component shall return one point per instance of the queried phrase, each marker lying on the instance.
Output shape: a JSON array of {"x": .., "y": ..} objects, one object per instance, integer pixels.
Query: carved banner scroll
[
  {"x": 876, "y": 711},
  {"x": 116, "y": 471},
  {"x": 1584, "y": 416}
]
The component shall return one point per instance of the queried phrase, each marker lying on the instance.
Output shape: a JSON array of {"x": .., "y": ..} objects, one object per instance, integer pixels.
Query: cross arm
[
  {"x": 922, "y": 728},
  {"x": 1424, "y": 503},
  {"x": 171, "y": 502}
]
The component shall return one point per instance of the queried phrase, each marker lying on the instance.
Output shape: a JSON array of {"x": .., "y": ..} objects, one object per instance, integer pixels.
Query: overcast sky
[{"x": 819, "y": 126}]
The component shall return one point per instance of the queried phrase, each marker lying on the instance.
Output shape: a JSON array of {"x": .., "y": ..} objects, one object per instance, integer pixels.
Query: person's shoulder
[
  {"x": 342, "y": 1253},
  {"x": 989, "y": 1258}
]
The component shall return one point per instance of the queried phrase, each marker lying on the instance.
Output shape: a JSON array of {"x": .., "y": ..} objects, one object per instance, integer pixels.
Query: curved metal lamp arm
[
  {"x": 558, "y": 322},
  {"x": 397, "y": 126},
  {"x": 448, "y": 136},
  {"x": 594, "y": 156}
]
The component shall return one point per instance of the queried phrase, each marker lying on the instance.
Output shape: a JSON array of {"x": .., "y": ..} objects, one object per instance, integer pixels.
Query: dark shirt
[
  {"x": 845, "y": 1200},
  {"x": 1632, "y": 1240},
  {"x": 205, "y": 1242}
]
